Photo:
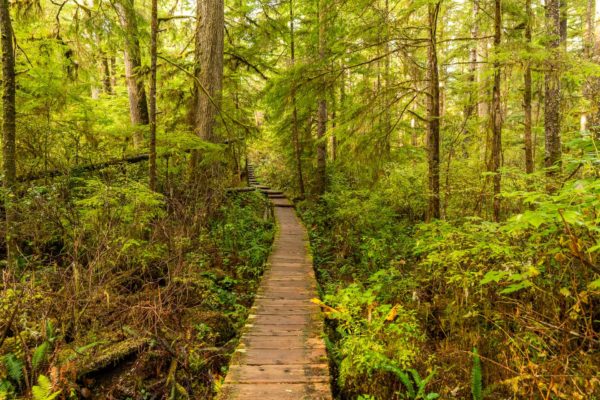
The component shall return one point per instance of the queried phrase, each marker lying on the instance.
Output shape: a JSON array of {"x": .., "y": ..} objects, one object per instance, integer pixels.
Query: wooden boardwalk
[{"x": 282, "y": 355}]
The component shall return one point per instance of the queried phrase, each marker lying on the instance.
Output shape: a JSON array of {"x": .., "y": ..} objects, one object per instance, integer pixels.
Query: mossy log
[{"x": 111, "y": 354}]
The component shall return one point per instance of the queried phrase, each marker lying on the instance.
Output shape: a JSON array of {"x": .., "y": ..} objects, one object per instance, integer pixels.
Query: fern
[
  {"x": 476, "y": 377},
  {"x": 39, "y": 355},
  {"x": 43, "y": 390},
  {"x": 422, "y": 385},
  {"x": 407, "y": 382},
  {"x": 14, "y": 367},
  {"x": 50, "y": 332},
  {"x": 404, "y": 378},
  {"x": 6, "y": 389}
]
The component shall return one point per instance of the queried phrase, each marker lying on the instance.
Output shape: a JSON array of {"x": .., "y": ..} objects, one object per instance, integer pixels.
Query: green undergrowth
[
  {"x": 127, "y": 293},
  {"x": 462, "y": 308}
]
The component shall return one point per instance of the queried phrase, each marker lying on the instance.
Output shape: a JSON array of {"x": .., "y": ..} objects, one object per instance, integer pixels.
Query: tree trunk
[
  {"x": 210, "y": 32},
  {"x": 433, "y": 110},
  {"x": 138, "y": 106},
  {"x": 473, "y": 62},
  {"x": 563, "y": 23},
  {"x": 527, "y": 96},
  {"x": 590, "y": 120},
  {"x": 387, "y": 115},
  {"x": 322, "y": 107},
  {"x": 496, "y": 151},
  {"x": 334, "y": 114},
  {"x": 472, "y": 107},
  {"x": 113, "y": 70},
  {"x": 153, "y": 62},
  {"x": 483, "y": 79},
  {"x": 9, "y": 125},
  {"x": 106, "y": 81},
  {"x": 342, "y": 106},
  {"x": 552, "y": 92},
  {"x": 295, "y": 131}
]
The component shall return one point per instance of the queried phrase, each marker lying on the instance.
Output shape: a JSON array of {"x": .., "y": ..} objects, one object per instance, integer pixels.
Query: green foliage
[
  {"x": 43, "y": 390},
  {"x": 130, "y": 205},
  {"x": 374, "y": 338},
  {"x": 476, "y": 377},
  {"x": 39, "y": 355},
  {"x": 413, "y": 383},
  {"x": 14, "y": 367}
]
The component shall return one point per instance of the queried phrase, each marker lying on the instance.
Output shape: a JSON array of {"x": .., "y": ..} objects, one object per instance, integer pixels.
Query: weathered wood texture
[{"x": 282, "y": 354}]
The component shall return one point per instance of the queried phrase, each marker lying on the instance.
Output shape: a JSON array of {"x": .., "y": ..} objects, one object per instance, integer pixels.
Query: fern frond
[
  {"x": 416, "y": 376},
  {"x": 43, "y": 390},
  {"x": 6, "y": 389},
  {"x": 14, "y": 367},
  {"x": 476, "y": 377},
  {"x": 50, "y": 331},
  {"x": 408, "y": 384},
  {"x": 39, "y": 355},
  {"x": 404, "y": 378},
  {"x": 422, "y": 385}
]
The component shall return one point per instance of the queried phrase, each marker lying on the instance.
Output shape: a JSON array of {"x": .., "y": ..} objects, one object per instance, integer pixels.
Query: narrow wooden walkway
[{"x": 282, "y": 355}]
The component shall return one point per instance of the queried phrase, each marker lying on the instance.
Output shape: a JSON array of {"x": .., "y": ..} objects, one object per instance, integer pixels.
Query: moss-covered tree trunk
[
  {"x": 9, "y": 125},
  {"x": 153, "y": 59},
  {"x": 295, "y": 130},
  {"x": 527, "y": 94},
  {"x": 321, "y": 181},
  {"x": 138, "y": 104},
  {"x": 552, "y": 94},
  {"x": 496, "y": 151},
  {"x": 209, "y": 66},
  {"x": 433, "y": 111}
]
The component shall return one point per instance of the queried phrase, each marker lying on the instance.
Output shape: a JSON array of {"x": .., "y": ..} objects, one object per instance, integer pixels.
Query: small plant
[
  {"x": 43, "y": 390},
  {"x": 416, "y": 387},
  {"x": 476, "y": 377}
]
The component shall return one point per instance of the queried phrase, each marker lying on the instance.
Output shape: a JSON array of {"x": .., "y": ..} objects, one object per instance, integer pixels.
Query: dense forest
[{"x": 443, "y": 155}]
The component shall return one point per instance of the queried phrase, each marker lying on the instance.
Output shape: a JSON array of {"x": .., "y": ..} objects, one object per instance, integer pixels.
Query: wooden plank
[
  {"x": 279, "y": 373},
  {"x": 282, "y": 355},
  {"x": 278, "y": 391}
]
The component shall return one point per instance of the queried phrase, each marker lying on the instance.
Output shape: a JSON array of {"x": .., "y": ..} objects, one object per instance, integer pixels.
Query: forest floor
[{"x": 120, "y": 312}]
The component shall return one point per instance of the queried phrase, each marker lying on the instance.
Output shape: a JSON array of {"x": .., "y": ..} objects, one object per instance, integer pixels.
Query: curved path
[{"x": 282, "y": 355}]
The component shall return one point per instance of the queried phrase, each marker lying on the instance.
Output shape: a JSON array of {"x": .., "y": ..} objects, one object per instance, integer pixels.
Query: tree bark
[
  {"x": 563, "y": 22},
  {"x": 113, "y": 70},
  {"x": 9, "y": 126},
  {"x": 387, "y": 115},
  {"x": 473, "y": 65},
  {"x": 433, "y": 110},
  {"x": 153, "y": 62},
  {"x": 471, "y": 108},
  {"x": 138, "y": 105},
  {"x": 321, "y": 183},
  {"x": 295, "y": 131},
  {"x": 106, "y": 80},
  {"x": 496, "y": 151},
  {"x": 552, "y": 98},
  {"x": 527, "y": 96},
  {"x": 590, "y": 120},
  {"x": 210, "y": 32}
]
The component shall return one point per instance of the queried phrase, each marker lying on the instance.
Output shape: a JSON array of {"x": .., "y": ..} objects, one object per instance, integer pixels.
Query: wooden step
[
  {"x": 271, "y": 191},
  {"x": 282, "y": 203}
]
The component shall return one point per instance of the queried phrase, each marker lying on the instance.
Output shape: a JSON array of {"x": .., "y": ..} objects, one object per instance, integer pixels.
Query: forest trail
[{"x": 281, "y": 355}]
